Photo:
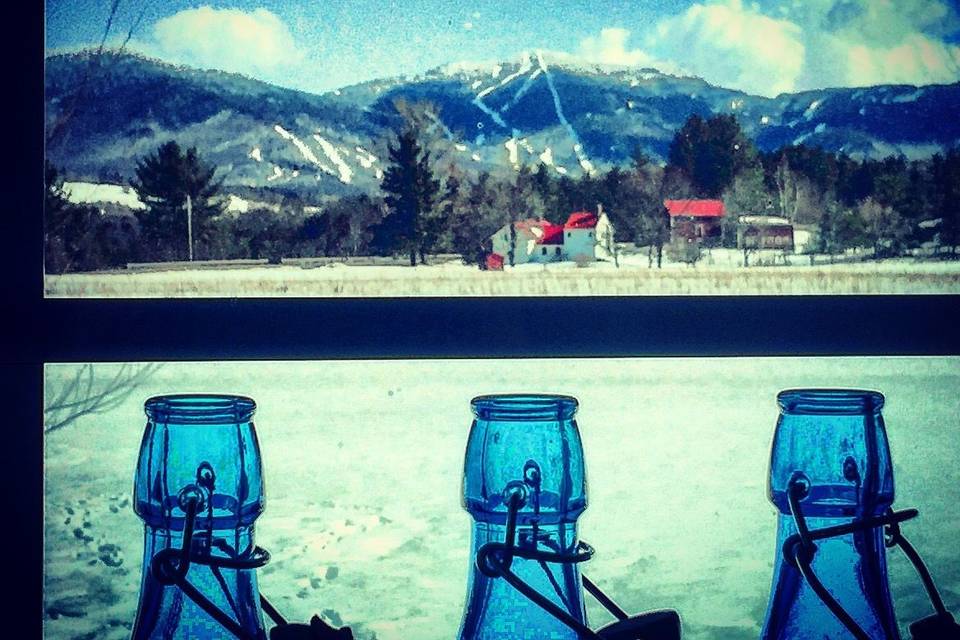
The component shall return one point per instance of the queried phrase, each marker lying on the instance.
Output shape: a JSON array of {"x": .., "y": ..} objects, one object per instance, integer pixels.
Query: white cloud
[
  {"x": 253, "y": 42},
  {"x": 881, "y": 42},
  {"x": 916, "y": 60},
  {"x": 610, "y": 47},
  {"x": 814, "y": 44},
  {"x": 734, "y": 46}
]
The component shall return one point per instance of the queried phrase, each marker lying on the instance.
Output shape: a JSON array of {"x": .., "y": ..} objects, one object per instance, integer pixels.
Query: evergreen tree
[
  {"x": 947, "y": 180},
  {"x": 479, "y": 212},
  {"x": 410, "y": 190},
  {"x": 67, "y": 228},
  {"x": 164, "y": 180},
  {"x": 447, "y": 207},
  {"x": 711, "y": 153}
]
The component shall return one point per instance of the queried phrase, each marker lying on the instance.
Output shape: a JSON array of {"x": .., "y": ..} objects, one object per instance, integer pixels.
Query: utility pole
[{"x": 189, "y": 228}]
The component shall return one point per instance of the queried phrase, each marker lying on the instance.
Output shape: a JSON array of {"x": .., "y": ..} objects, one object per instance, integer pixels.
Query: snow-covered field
[
  {"x": 718, "y": 274},
  {"x": 363, "y": 459}
]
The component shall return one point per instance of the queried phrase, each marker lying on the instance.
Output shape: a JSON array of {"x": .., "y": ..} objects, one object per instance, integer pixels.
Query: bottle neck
[
  {"x": 852, "y": 567},
  {"x": 165, "y": 611},
  {"x": 493, "y": 605}
]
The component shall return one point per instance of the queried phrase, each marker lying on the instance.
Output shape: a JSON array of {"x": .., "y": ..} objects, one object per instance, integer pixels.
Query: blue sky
[{"x": 763, "y": 47}]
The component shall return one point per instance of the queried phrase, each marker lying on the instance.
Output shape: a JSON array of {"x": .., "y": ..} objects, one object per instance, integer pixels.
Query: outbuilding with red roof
[{"x": 694, "y": 220}]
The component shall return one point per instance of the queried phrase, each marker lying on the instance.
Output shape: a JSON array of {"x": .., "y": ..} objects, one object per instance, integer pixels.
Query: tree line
[{"x": 428, "y": 206}]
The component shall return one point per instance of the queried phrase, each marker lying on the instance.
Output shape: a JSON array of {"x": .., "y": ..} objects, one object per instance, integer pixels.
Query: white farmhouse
[
  {"x": 533, "y": 241},
  {"x": 584, "y": 236}
]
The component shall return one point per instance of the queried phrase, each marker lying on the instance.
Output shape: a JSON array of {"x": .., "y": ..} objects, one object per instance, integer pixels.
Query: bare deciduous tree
[{"x": 84, "y": 394}]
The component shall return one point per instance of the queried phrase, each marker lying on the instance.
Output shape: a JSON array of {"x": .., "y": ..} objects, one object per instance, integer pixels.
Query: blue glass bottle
[
  {"x": 832, "y": 446},
  {"x": 528, "y": 446},
  {"x": 201, "y": 447}
]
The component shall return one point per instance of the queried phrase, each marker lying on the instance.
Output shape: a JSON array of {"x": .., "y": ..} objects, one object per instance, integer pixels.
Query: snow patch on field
[
  {"x": 364, "y": 517},
  {"x": 547, "y": 156},
  {"x": 718, "y": 273},
  {"x": 277, "y": 173},
  {"x": 237, "y": 204},
  {"x": 255, "y": 154},
  {"x": 93, "y": 193}
]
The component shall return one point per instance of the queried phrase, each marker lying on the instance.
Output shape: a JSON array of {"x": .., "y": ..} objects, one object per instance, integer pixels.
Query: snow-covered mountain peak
[{"x": 486, "y": 68}]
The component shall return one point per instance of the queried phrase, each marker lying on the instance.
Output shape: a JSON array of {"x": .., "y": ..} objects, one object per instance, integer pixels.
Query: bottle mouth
[
  {"x": 524, "y": 406},
  {"x": 829, "y": 401},
  {"x": 200, "y": 408}
]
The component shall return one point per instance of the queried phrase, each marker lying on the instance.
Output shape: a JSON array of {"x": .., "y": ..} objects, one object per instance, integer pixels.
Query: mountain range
[{"x": 541, "y": 108}]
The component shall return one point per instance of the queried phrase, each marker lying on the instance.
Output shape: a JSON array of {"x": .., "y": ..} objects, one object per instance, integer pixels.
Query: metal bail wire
[
  {"x": 494, "y": 559},
  {"x": 170, "y": 566},
  {"x": 799, "y": 550}
]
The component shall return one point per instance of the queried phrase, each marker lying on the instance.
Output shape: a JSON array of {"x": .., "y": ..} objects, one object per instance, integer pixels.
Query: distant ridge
[{"x": 541, "y": 108}]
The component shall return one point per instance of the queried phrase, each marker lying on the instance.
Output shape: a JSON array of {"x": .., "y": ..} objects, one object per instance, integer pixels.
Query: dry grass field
[{"x": 903, "y": 276}]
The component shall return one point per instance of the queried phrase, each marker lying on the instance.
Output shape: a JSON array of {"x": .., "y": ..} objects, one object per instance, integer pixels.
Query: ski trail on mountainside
[{"x": 577, "y": 146}]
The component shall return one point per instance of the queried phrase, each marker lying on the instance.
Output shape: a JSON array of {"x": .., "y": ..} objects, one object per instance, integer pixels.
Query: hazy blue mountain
[{"x": 542, "y": 108}]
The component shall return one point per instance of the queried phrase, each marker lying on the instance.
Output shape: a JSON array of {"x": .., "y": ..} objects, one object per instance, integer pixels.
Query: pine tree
[
  {"x": 68, "y": 229},
  {"x": 711, "y": 153},
  {"x": 411, "y": 188},
  {"x": 164, "y": 180},
  {"x": 947, "y": 177}
]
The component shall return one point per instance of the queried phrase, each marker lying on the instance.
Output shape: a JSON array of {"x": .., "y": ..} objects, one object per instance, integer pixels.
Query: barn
[
  {"x": 694, "y": 220},
  {"x": 764, "y": 232}
]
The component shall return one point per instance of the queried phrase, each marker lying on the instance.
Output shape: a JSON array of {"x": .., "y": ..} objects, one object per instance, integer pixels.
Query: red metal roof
[
  {"x": 552, "y": 234},
  {"x": 696, "y": 208},
  {"x": 581, "y": 220},
  {"x": 494, "y": 261}
]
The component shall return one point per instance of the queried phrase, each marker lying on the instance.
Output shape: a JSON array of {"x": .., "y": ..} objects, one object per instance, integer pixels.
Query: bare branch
[
  {"x": 106, "y": 31},
  {"x": 78, "y": 398},
  {"x": 133, "y": 27},
  {"x": 57, "y": 129}
]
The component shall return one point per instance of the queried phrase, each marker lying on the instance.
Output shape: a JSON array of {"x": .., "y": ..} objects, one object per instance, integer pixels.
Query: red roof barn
[
  {"x": 693, "y": 220},
  {"x": 695, "y": 208}
]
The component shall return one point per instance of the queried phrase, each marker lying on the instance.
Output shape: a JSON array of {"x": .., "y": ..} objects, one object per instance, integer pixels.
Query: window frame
[{"x": 91, "y": 330}]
